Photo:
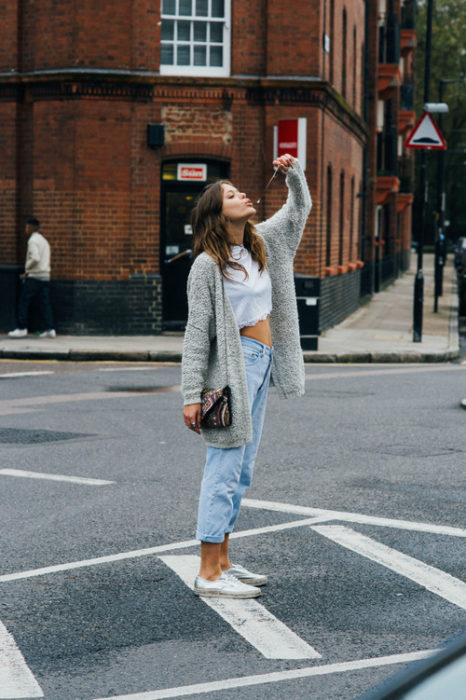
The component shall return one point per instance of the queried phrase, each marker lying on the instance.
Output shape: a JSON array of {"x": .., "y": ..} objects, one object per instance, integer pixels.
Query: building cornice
[{"x": 78, "y": 83}]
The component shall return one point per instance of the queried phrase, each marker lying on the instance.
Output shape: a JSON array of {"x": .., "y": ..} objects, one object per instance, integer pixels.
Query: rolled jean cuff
[{"x": 210, "y": 538}]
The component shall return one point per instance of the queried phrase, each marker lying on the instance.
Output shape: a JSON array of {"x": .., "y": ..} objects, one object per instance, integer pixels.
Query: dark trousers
[{"x": 35, "y": 288}]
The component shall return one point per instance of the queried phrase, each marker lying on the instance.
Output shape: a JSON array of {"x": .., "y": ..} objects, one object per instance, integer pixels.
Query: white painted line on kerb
[
  {"x": 16, "y": 678},
  {"x": 248, "y": 617},
  {"x": 24, "y": 374},
  {"x": 6, "y": 578},
  {"x": 87, "y": 481},
  {"x": 354, "y": 517},
  {"x": 434, "y": 580},
  {"x": 275, "y": 677}
]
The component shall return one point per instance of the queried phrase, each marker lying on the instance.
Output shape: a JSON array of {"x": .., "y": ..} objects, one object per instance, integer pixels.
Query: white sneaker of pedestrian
[
  {"x": 48, "y": 334},
  {"x": 226, "y": 586},
  {"x": 246, "y": 576},
  {"x": 18, "y": 333}
]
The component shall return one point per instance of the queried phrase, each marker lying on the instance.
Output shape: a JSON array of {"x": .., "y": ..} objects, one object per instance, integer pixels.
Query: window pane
[
  {"x": 218, "y": 8},
  {"x": 216, "y": 56},
  {"x": 216, "y": 32},
  {"x": 185, "y": 7},
  {"x": 184, "y": 31},
  {"x": 182, "y": 55},
  {"x": 169, "y": 7},
  {"x": 200, "y": 31},
  {"x": 167, "y": 29},
  {"x": 200, "y": 55},
  {"x": 167, "y": 55},
  {"x": 201, "y": 8}
]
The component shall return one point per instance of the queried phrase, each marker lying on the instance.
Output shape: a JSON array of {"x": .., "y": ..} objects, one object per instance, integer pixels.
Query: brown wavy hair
[{"x": 210, "y": 232}]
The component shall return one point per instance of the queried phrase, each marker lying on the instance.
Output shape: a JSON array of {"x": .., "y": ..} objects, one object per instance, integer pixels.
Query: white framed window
[{"x": 195, "y": 37}]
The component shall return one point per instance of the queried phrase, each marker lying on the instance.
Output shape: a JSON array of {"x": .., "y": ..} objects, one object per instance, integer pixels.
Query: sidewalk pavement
[{"x": 380, "y": 331}]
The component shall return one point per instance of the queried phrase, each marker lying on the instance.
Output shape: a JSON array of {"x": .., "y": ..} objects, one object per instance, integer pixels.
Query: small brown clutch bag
[{"x": 216, "y": 408}]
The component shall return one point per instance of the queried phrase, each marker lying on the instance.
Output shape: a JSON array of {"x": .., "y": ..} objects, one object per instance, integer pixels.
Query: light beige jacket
[{"x": 38, "y": 257}]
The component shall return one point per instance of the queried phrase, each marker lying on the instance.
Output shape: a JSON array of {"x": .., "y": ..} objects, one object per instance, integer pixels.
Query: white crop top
[{"x": 251, "y": 298}]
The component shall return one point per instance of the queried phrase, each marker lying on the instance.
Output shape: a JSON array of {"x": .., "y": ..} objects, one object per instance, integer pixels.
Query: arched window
[
  {"x": 344, "y": 56},
  {"x": 342, "y": 218},
  {"x": 328, "y": 246}
]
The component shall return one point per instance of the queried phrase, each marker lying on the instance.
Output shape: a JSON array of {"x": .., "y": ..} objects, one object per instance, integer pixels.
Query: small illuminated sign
[{"x": 192, "y": 172}]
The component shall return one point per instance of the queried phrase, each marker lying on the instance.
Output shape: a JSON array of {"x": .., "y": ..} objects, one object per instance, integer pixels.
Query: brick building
[{"x": 113, "y": 116}]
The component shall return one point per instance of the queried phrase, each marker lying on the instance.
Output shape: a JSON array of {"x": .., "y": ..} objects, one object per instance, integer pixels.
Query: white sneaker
[
  {"x": 226, "y": 586},
  {"x": 48, "y": 334},
  {"x": 18, "y": 333},
  {"x": 246, "y": 576}
]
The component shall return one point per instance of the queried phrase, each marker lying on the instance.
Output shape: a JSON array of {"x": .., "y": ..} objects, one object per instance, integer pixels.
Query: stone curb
[{"x": 174, "y": 356}]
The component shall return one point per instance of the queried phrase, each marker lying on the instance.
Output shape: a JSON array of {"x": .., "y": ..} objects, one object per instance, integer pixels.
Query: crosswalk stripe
[
  {"x": 55, "y": 477},
  {"x": 16, "y": 678},
  {"x": 275, "y": 677},
  {"x": 136, "y": 553},
  {"x": 434, "y": 580},
  {"x": 12, "y": 375},
  {"x": 250, "y": 619},
  {"x": 347, "y": 516}
]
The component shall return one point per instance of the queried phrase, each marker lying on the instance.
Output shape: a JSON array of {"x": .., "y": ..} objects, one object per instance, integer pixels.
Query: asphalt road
[{"x": 363, "y": 479}]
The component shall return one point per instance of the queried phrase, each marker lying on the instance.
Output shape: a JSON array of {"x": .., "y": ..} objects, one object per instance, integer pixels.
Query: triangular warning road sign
[{"x": 426, "y": 134}]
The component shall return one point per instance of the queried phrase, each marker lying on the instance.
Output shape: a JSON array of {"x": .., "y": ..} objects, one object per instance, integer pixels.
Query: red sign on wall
[
  {"x": 189, "y": 172},
  {"x": 290, "y": 137}
]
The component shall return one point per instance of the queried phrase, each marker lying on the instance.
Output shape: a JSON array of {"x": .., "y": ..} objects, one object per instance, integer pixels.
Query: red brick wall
[
  {"x": 84, "y": 166},
  {"x": 9, "y": 34}
]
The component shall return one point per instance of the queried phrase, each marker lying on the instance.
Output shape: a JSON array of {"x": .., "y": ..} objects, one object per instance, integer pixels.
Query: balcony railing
[
  {"x": 389, "y": 40},
  {"x": 409, "y": 14},
  {"x": 407, "y": 94},
  {"x": 405, "y": 173}
]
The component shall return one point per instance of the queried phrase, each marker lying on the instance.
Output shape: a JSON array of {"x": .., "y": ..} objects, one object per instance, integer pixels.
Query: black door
[{"x": 178, "y": 199}]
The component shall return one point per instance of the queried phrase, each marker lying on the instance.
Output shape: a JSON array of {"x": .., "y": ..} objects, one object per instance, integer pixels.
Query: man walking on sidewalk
[{"x": 36, "y": 282}]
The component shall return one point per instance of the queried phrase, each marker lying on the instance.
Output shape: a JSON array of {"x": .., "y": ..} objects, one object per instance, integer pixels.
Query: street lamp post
[
  {"x": 440, "y": 242},
  {"x": 419, "y": 279}
]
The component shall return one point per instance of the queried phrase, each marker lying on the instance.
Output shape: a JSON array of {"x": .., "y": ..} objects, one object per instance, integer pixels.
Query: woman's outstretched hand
[
  {"x": 192, "y": 417},
  {"x": 283, "y": 163}
]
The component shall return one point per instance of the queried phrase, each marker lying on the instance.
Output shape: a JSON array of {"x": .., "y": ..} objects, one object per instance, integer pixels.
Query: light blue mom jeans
[{"x": 228, "y": 471}]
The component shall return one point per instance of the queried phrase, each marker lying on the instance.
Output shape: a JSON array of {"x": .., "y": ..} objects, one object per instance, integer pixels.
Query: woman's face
[{"x": 236, "y": 206}]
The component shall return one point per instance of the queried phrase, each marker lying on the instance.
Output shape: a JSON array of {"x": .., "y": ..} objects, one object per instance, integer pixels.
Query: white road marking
[
  {"x": 55, "y": 477},
  {"x": 383, "y": 371},
  {"x": 5, "y": 578},
  {"x": 24, "y": 374},
  {"x": 354, "y": 517},
  {"x": 434, "y": 580},
  {"x": 10, "y": 406},
  {"x": 248, "y": 617},
  {"x": 16, "y": 678},
  {"x": 276, "y": 677},
  {"x": 125, "y": 369}
]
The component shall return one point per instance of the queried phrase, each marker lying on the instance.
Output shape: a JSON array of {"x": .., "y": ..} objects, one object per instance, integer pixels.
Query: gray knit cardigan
[{"x": 212, "y": 353}]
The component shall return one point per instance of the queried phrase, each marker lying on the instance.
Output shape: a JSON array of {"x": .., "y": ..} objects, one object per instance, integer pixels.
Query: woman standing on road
[{"x": 241, "y": 298}]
